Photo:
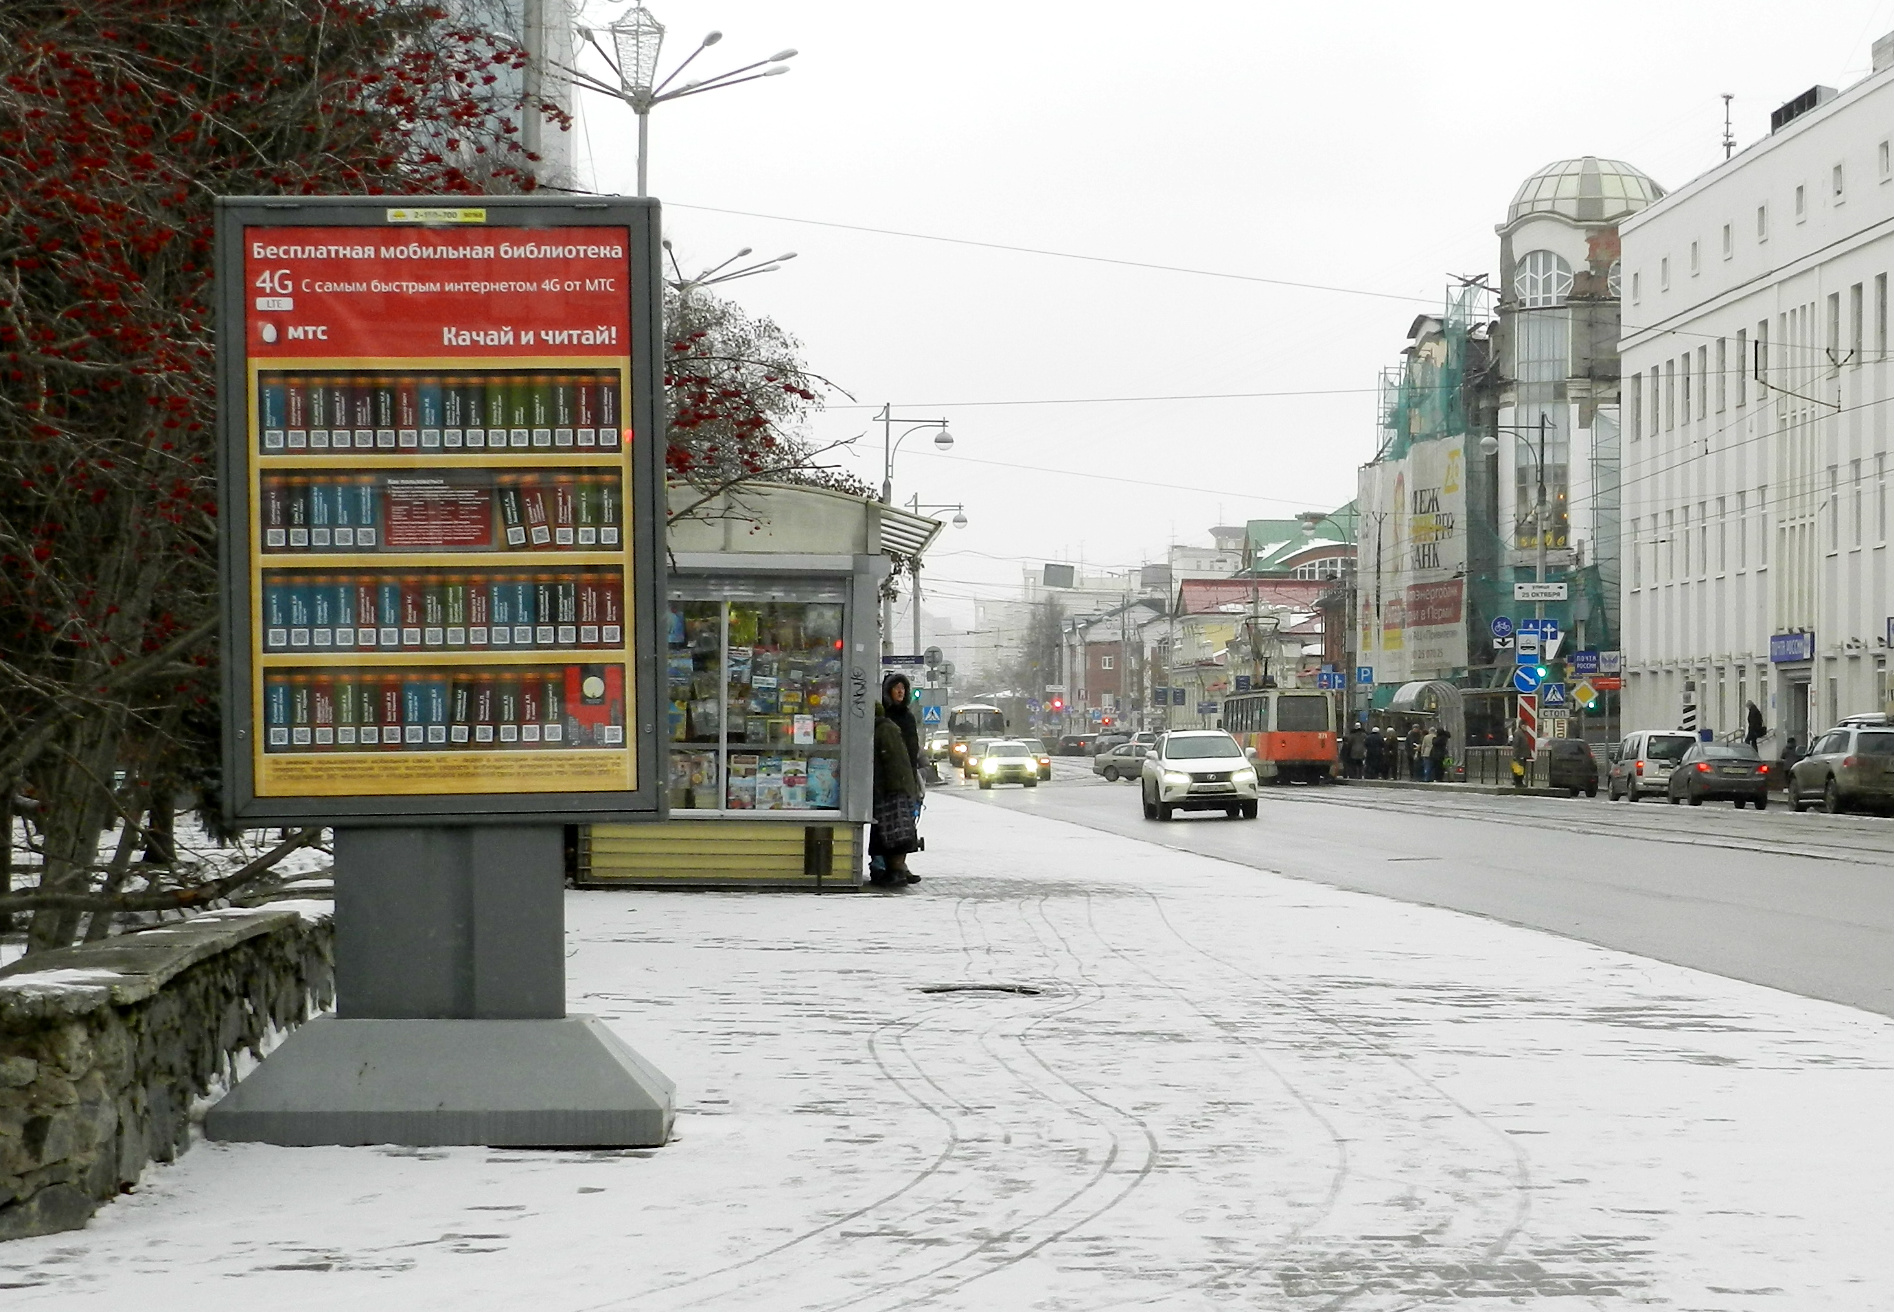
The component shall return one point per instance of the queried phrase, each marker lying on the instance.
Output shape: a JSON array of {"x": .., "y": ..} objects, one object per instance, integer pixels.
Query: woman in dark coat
[{"x": 897, "y": 785}]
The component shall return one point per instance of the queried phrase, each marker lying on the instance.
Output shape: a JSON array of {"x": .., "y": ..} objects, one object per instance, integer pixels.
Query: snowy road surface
[
  {"x": 1230, "y": 1089},
  {"x": 1800, "y": 902}
]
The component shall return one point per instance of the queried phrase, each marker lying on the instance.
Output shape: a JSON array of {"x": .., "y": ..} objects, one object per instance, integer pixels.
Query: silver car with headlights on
[{"x": 1198, "y": 770}]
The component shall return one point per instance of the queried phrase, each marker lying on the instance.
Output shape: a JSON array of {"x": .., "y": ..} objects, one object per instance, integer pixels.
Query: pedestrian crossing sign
[{"x": 930, "y": 715}]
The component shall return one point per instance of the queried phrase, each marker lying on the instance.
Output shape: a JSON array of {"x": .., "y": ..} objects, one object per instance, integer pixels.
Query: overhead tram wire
[{"x": 1119, "y": 478}]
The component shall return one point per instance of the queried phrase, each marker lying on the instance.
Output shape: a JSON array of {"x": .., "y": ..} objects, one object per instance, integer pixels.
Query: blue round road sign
[
  {"x": 1502, "y": 627},
  {"x": 1526, "y": 679}
]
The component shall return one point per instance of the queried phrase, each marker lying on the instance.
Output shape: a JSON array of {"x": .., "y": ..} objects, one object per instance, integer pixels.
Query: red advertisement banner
[{"x": 473, "y": 292}]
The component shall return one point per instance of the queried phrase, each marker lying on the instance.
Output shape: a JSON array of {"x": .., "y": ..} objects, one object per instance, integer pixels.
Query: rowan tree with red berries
[{"x": 120, "y": 122}]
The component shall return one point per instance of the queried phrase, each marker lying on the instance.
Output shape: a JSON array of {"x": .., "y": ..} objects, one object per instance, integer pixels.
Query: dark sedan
[{"x": 1720, "y": 770}]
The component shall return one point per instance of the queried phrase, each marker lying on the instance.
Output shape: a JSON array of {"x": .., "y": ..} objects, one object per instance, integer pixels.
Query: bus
[
  {"x": 1291, "y": 732},
  {"x": 969, "y": 721}
]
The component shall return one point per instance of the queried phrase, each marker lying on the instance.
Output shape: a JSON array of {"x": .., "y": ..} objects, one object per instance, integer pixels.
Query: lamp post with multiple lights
[
  {"x": 959, "y": 521},
  {"x": 636, "y": 40},
  {"x": 890, "y": 445}
]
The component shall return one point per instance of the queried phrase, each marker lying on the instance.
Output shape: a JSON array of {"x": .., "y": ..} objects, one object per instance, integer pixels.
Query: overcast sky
[{"x": 1368, "y": 147}]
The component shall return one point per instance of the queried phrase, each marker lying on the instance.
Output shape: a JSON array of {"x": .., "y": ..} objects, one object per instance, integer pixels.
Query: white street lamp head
[
  {"x": 637, "y": 37},
  {"x": 1489, "y": 445},
  {"x": 772, "y": 72},
  {"x": 944, "y": 440},
  {"x": 960, "y": 519},
  {"x": 712, "y": 38},
  {"x": 781, "y": 55},
  {"x": 781, "y": 258}
]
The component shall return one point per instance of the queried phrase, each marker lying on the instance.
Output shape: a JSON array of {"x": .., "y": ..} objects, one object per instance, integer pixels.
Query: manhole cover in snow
[{"x": 1026, "y": 989}]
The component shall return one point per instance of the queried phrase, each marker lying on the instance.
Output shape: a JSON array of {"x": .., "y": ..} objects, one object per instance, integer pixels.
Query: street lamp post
[
  {"x": 1490, "y": 446},
  {"x": 959, "y": 521},
  {"x": 1310, "y": 519},
  {"x": 889, "y": 446},
  {"x": 636, "y": 40},
  {"x": 715, "y": 274}
]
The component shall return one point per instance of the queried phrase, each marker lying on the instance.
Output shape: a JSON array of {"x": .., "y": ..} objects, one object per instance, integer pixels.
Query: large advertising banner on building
[
  {"x": 439, "y": 431},
  {"x": 1412, "y": 562}
]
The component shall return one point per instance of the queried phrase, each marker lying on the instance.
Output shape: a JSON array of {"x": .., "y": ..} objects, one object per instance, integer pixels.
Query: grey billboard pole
[{"x": 451, "y": 1025}]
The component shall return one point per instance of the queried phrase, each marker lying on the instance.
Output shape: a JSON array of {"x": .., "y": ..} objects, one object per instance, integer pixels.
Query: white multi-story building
[{"x": 1756, "y": 386}]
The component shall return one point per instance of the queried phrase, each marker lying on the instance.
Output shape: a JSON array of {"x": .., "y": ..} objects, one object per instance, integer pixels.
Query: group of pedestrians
[{"x": 1369, "y": 752}]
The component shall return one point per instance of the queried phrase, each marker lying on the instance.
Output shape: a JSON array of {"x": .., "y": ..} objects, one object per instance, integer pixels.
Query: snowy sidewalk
[{"x": 1231, "y": 1089}]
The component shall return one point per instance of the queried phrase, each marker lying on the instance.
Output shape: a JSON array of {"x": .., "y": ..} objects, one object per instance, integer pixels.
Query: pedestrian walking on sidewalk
[
  {"x": 1355, "y": 752},
  {"x": 896, "y": 830},
  {"x": 1426, "y": 757},
  {"x": 1522, "y": 753},
  {"x": 1411, "y": 751},
  {"x": 1377, "y": 754},
  {"x": 1754, "y": 732},
  {"x": 1437, "y": 754}
]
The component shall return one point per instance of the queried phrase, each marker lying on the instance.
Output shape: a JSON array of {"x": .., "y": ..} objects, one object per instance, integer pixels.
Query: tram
[{"x": 1291, "y": 732}]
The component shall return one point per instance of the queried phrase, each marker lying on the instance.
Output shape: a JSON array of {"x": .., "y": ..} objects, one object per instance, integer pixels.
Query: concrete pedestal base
[{"x": 503, "y": 1083}]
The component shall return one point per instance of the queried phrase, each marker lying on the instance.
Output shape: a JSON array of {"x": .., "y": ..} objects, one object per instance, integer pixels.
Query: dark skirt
[{"x": 894, "y": 831}]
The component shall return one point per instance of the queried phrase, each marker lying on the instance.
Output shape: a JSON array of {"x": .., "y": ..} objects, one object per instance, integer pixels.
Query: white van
[{"x": 1645, "y": 760}]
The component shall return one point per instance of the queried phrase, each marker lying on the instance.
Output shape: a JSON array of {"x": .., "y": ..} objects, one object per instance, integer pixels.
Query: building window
[
  {"x": 1663, "y": 274},
  {"x": 1834, "y": 509},
  {"x": 1637, "y": 288},
  {"x": 1703, "y": 538},
  {"x": 1637, "y": 556},
  {"x": 1543, "y": 278},
  {"x": 1762, "y": 527},
  {"x": 1684, "y": 533},
  {"x": 1656, "y": 393},
  {"x": 1742, "y": 531},
  {"x": 1854, "y": 324},
  {"x": 1854, "y": 496},
  {"x": 1880, "y": 499},
  {"x": 1762, "y": 223},
  {"x": 1696, "y": 264},
  {"x": 1742, "y": 366},
  {"x": 1637, "y": 406},
  {"x": 1762, "y": 351},
  {"x": 1722, "y": 373},
  {"x": 1801, "y": 204},
  {"x": 1880, "y": 316},
  {"x": 1882, "y": 159},
  {"x": 1670, "y": 395},
  {"x": 1834, "y": 184},
  {"x": 1834, "y": 334},
  {"x": 1685, "y": 397},
  {"x": 1729, "y": 240},
  {"x": 1703, "y": 381},
  {"x": 1104, "y": 662},
  {"x": 1722, "y": 536},
  {"x": 1614, "y": 280}
]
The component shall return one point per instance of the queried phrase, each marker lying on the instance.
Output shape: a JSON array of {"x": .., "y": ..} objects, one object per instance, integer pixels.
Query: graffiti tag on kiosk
[{"x": 858, "y": 692}]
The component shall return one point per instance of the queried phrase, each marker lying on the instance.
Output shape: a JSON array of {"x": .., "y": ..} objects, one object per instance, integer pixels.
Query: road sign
[
  {"x": 930, "y": 715},
  {"x": 1032, "y": 707},
  {"x": 1526, "y": 679},
  {"x": 1611, "y": 662},
  {"x": 900, "y": 660},
  {"x": 1583, "y": 693},
  {"x": 1529, "y": 719},
  {"x": 1502, "y": 626},
  {"x": 1364, "y": 676},
  {"x": 1177, "y": 697},
  {"x": 1528, "y": 646},
  {"x": 1503, "y": 644},
  {"x": 1206, "y": 708},
  {"x": 1607, "y": 682},
  {"x": 1242, "y": 683},
  {"x": 1552, "y": 694},
  {"x": 1539, "y": 591},
  {"x": 1584, "y": 662},
  {"x": 1546, "y": 629},
  {"x": 1329, "y": 680}
]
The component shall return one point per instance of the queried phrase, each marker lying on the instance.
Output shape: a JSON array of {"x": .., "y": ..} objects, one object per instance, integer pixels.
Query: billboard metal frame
[{"x": 237, "y": 216}]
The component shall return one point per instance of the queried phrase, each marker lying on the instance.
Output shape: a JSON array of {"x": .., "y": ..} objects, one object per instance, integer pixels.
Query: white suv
[{"x": 1198, "y": 770}]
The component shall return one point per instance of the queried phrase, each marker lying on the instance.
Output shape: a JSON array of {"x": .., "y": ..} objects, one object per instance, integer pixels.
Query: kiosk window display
[{"x": 756, "y": 692}]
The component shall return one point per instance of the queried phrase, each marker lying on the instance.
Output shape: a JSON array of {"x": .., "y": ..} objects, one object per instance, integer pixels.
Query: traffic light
[
  {"x": 1106, "y": 722},
  {"x": 1541, "y": 670},
  {"x": 1058, "y": 704}
]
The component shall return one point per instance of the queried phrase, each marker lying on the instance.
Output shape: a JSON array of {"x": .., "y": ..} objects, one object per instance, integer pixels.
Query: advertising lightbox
[{"x": 441, "y": 472}]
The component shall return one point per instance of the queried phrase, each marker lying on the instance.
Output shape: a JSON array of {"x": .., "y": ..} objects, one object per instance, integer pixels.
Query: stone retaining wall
[{"x": 104, "y": 1048}]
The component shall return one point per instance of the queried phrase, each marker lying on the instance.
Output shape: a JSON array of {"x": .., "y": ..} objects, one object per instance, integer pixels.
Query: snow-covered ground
[{"x": 1232, "y": 1089}]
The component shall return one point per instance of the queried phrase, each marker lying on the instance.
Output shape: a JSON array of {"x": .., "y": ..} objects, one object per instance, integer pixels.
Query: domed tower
[{"x": 1558, "y": 353}]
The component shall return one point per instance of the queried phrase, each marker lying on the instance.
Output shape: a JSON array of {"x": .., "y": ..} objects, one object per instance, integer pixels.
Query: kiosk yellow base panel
[{"x": 722, "y": 854}]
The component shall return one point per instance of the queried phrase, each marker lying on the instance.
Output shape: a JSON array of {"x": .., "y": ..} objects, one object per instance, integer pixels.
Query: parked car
[
  {"x": 1146, "y": 736},
  {"x": 1076, "y": 744},
  {"x": 1038, "y": 748},
  {"x": 1569, "y": 763},
  {"x": 1125, "y": 761},
  {"x": 1644, "y": 762},
  {"x": 1717, "y": 770},
  {"x": 1106, "y": 741},
  {"x": 1850, "y": 765},
  {"x": 971, "y": 759},
  {"x": 1198, "y": 770},
  {"x": 1005, "y": 761}
]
